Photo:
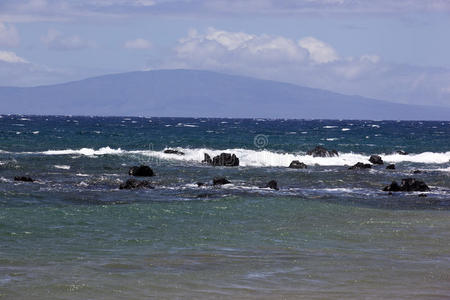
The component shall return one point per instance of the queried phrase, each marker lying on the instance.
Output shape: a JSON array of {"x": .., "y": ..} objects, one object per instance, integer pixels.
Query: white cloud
[
  {"x": 63, "y": 10},
  {"x": 11, "y": 57},
  {"x": 9, "y": 36},
  {"x": 221, "y": 49},
  {"x": 325, "y": 6},
  {"x": 138, "y": 43},
  {"x": 319, "y": 51},
  {"x": 55, "y": 40},
  {"x": 308, "y": 62}
]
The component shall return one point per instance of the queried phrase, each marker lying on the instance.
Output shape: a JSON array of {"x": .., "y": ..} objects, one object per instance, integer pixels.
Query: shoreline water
[{"x": 327, "y": 232}]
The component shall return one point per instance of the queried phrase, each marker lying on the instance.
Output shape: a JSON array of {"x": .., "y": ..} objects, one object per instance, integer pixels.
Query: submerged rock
[
  {"x": 141, "y": 171},
  {"x": 23, "y": 178},
  {"x": 199, "y": 184},
  {"x": 135, "y": 184},
  {"x": 393, "y": 187},
  {"x": 359, "y": 166},
  {"x": 390, "y": 167},
  {"x": 417, "y": 172},
  {"x": 320, "y": 151},
  {"x": 226, "y": 160},
  {"x": 172, "y": 151},
  {"x": 295, "y": 164},
  {"x": 401, "y": 152},
  {"x": 272, "y": 185},
  {"x": 220, "y": 181},
  {"x": 413, "y": 185},
  {"x": 376, "y": 160},
  {"x": 207, "y": 159},
  {"x": 407, "y": 185}
]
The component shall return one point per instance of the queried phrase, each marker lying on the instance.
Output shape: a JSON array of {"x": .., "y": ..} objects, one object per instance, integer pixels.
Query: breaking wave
[{"x": 260, "y": 158}]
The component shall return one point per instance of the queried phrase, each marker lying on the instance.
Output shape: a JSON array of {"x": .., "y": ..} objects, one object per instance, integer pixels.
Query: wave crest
[{"x": 260, "y": 158}]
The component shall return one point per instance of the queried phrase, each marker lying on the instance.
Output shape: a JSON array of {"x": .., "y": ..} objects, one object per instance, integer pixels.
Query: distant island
[{"x": 193, "y": 93}]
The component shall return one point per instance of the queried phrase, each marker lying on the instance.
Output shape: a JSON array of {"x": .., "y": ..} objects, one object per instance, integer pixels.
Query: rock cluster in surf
[
  {"x": 135, "y": 184},
  {"x": 224, "y": 160},
  {"x": 407, "y": 185},
  {"x": 320, "y": 151}
]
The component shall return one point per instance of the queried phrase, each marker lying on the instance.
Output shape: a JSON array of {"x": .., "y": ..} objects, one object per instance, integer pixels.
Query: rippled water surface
[{"x": 328, "y": 232}]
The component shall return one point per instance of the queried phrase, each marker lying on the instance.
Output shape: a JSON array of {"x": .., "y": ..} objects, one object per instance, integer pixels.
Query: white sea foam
[
  {"x": 329, "y": 127},
  {"x": 62, "y": 167},
  {"x": 260, "y": 158},
  {"x": 35, "y": 132},
  {"x": 425, "y": 157},
  {"x": 84, "y": 151},
  {"x": 265, "y": 158},
  {"x": 186, "y": 125},
  {"x": 345, "y": 129}
]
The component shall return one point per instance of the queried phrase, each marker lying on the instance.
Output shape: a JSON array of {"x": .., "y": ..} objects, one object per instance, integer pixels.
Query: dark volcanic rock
[
  {"x": 135, "y": 184},
  {"x": 320, "y": 151},
  {"x": 360, "y": 165},
  {"x": 171, "y": 151},
  {"x": 393, "y": 187},
  {"x": 295, "y": 164},
  {"x": 199, "y": 184},
  {"x": 272, "y": 185},
  {"x": 422, "y": 195},
  {"x": 407, "y": 185},
  {"x": 142, "y": 171},
  {"x": 220, "y": 181},
  {"x": 390, "y": 167},
  {"x": 413, "y": 185},
  {"x": 401, "y": 152},
  {"x": 23, "y": 178},
  {"x": 207, "y": 159},
  {"x": 376, "y": 160},
  {"x": 225, "y": 159},
  {"x": 417, "y": 172}
]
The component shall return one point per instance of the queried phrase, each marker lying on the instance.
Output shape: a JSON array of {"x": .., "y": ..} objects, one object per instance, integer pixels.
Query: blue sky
[{"x": 391, "y": 50}]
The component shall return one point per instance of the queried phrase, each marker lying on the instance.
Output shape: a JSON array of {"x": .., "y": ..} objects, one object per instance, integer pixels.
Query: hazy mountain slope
[{"x": 201, "y": 94}]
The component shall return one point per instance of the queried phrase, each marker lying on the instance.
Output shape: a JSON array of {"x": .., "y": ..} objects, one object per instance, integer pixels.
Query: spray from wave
[{"x": 261, "y": 158}]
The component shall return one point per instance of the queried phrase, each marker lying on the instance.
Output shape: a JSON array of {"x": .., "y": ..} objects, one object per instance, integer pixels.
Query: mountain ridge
[{"x": 196, "y": 93}]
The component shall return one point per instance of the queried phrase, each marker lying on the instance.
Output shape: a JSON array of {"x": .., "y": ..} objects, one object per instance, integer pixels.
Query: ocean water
[{"x": 327, "y": 233}]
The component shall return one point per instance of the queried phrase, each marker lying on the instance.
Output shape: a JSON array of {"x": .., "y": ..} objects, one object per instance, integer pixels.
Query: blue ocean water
[{"x": 328, "y": 231}]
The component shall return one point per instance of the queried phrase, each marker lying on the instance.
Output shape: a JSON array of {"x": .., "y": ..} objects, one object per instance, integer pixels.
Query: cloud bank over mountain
[
  {"x": 310, "y": 62},
  {"x": 391, "y": 50}
]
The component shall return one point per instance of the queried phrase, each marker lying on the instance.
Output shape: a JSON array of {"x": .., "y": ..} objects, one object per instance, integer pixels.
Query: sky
[{"x": 391, "y": 50}]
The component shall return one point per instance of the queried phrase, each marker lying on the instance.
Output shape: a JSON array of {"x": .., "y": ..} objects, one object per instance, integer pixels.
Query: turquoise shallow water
[
  {"x": 276, "y": 248},
  {"x": 327, "y": 233}
]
